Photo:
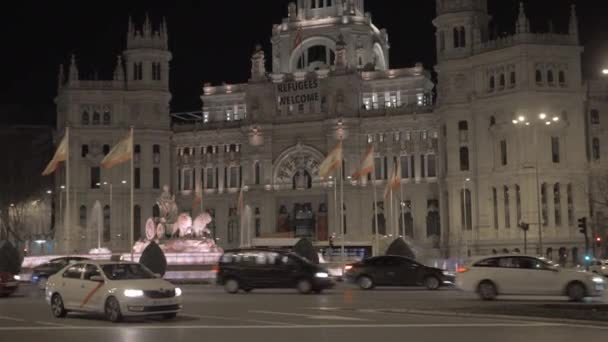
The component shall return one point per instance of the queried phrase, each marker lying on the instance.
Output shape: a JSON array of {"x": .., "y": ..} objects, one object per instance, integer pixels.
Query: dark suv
[
  {"x": 392, "y": 270},
  {"x": 247, "y": 269},
  {"x": 42, "y": 272}
]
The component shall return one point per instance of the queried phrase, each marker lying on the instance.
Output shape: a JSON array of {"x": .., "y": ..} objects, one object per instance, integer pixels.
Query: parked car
[
  {"x": 393, "y": 270},
  {"x": 599, "y": 267},
  {"x": 115, "y": 289},
  {"x": 247, "y": 269},
  {"x": 526, "y": 275},
  {"x": 42, "y": 272},
  {"x": 9, "y": 283}
]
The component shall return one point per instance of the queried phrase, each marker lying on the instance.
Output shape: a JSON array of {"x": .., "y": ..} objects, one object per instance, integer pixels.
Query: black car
[
  {"x": 247, "y": 269},
  {"x": 392, "y": 270},
  {"x": 42, "y": 272}
]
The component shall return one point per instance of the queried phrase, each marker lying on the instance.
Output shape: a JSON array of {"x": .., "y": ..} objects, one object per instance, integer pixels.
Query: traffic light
[{"x": 582, "y": 224}]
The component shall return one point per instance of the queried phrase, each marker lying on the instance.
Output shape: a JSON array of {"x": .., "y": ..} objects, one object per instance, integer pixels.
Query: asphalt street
[{"x": 341, "y": 314}]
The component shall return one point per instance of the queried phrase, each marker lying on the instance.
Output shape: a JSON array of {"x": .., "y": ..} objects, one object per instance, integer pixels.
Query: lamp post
[{"x": 542, "y": 119}]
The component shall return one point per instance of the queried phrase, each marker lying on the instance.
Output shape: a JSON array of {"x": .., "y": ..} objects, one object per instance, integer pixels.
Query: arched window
[
  {"x": 513, "y": 79},
  {"x": 463, "y": 130},
  {"x": 96, "y": 118},
  {"x": 136, "y": 223},
  {"x": 562, "y": 78},
  {"x": 550, "y": 78},
  {"x": 107, "y": 232},
  {"x": 595, "y": 117},
  {"x": 557, "y": 204},
  {"x": 465, "y": 209},
  {"x": 85, "y": 118},
  {"x": 106, "y": 117},
  {"x": 492, "y": 84},
  {"x": 106, "y": 149},
  {"x": 463, "y": 37},
  {"x": 502, "y": 81},
  {"x": 82, "y": 216},
  {"x": 456, "y": 38},
  {"x": 596, "y": 149},
  {"x": 539, "y": 76},
  {"x": 464, "y": 158},
  {"x": 156, "y": 153}
]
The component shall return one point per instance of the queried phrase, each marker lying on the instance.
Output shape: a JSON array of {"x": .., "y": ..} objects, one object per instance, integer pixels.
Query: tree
[
  {"x": 305, "y": 249},
  {"x": 400, "y": 247},
  {"x": 10, "y": 259},
  {"x": 154, "y": 259}
]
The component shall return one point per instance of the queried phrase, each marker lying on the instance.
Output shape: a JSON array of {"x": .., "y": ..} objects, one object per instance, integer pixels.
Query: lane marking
[
  {"x": 51, "y": 324},
  {"x": 300, "y": 326},
  {"x": 233, "y": 319},
  {"x": 12, "y": 319},
  {"x": 326, "y": 317}
]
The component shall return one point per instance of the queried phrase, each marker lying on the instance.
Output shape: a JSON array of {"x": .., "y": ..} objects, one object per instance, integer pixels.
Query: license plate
[{"x": 163, "y": 302}]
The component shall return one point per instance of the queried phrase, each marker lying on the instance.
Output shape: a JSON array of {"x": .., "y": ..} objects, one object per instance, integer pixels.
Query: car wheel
[
  {"x": 231, "y": 286},
  {"x": 42, "y": 283},
  {"x": 487, "y": 290},
  {"x": 365, "y": 283},
  {"x": 112, "y": 310},
  {"x": 247, "y": 290},
  {"x": 304, "y": 286},
  {"x": 432, "y": 283},
  {"x": 576, "y": 291},
  {"x": 57, "y": 307},
  {"x": 170, "y": 315}
]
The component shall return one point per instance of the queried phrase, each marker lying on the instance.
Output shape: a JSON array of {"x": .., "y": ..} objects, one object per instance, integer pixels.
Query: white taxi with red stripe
[{"x": 116, "y": 289}]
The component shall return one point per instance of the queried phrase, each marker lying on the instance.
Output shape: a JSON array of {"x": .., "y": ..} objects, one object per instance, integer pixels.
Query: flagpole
[
  {"x": 66, "y": 223},
  {"x": 402, "y": 208},
  {"x": 335, "y": 204},
  {"x": 393, "y": 230},
  {"x": 342, "y": 209},
  {"x": 131, "y": 235},
  {"x": 375, "y": 212}
]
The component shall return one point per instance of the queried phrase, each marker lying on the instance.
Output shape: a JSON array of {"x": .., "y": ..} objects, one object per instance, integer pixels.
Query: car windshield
[{"x": 127, "y": 271}]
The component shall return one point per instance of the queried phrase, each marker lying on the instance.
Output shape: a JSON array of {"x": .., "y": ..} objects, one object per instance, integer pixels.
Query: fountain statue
[{"x": 177, "y": 233}]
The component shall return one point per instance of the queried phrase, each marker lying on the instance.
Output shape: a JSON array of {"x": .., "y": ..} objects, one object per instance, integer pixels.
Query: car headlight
[
  {"x": 178, "y": 292},
  {"x": 133, "y": 293},
  {"x": 16, "y": 277},
  {"x": 321, "y": 275},
  {"x": 597, "y": 280}
]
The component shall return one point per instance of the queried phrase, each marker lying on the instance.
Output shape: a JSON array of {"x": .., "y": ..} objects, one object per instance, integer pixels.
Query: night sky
[{"x": 212, "y": 41}]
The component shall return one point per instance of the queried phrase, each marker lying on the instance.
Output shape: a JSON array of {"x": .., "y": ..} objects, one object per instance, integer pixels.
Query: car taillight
[
  {"x": 215, "y": 268},
  {"x": 462, "y": 270},
  {"x": 348, "y": 268}
]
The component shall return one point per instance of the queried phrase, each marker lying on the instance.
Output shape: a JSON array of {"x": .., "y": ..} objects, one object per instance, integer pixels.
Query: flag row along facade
[{"x": 503, "y": 138}]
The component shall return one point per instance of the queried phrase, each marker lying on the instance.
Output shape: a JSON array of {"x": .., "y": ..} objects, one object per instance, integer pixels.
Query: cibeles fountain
[{"x": 176, "y": 232}]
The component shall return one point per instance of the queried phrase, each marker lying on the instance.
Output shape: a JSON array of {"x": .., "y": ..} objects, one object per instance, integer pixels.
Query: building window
[
  {"x": 562, "y": 78},
  {"x": 107, "y": 230},
  {"x": 82, "y": 216},
  {"x": 463, "y": 37},
  {"x": 495, "y": 206},
  {"x": 557, "y": 204},
  {"x": 595, "y": 117},
  {"x": 507, "y": 208},
  {"x": 492, "y": 83},
  {"x": 106, "y": 149},
  {"x": 233, "y": 177},
  {"x": 85, "y": 118},
  {"x": 96, "y": 118},
  {"x": 550, "y": 78},
  {"x": 441, "y": 41},
  {"x": 138, "y": 71},
  {"x": 555, "y": 149},
  {"x": 95, "y": 177},
  {"x": 570, "y": 205},
  {"x": 431, "y": 164},
  {"x": 502, "y": 81},
  {"x": 513, "y": 79},
  {"x": 106, "y": 118},
  {"x": 543, "y": 200},
  {"x": 539, "y": 77},
  {"x": 463, "y": 130},
  {"x": 155, "y": 178},
  {"x": 503, "y": 152},
  {"x": 187, "y": 177},
  {"x": 137, "y": 178},
  {"x": 136, "y": 223},
  {"x": 422, "y": 170},
  {"x": 156, "y": 153},
  {"x": 518, "y": 203},
  {"x": 156, "y": 72},
  {"x": 456, "y": 38},
  {"x": 464, "y": 158},
  {"x": 465, "y": 209},
  {"x": 412, "y": 167},
  {"x": 492, "y": 121},
  {"x": 596, "y": 149},
  {"x": 258, "y": 222},
  {"x": 404, "y": 166},
  {"x": 257, "y": 173},
  {"x": 210, "y": 184},
  {"x": 84, "y": 151}
]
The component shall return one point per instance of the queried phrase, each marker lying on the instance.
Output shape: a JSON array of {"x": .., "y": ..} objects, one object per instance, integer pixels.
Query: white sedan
[
  {"x": 525, "y": 275},
  {"x": 116, "y": 289},
  {"x": 599, "y": 267}
]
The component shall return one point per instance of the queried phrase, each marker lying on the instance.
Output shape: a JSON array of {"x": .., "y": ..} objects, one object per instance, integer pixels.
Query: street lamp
[{"x": 547, "y": 120}]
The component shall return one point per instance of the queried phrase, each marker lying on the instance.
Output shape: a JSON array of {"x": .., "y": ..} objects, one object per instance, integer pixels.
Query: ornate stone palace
[{"x": 503, "y": 139}]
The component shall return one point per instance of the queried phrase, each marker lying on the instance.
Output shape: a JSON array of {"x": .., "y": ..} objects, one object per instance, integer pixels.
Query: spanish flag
[
  {"x": 332, "y": 162},
  {"x": 395, "y": 180},
  {"x": 61, "y": 154},
  {"x": 367, "y": 165},
  {"x": 122, "y": 152}
]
